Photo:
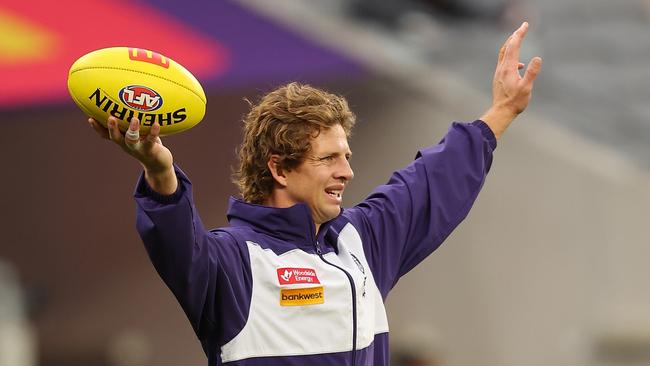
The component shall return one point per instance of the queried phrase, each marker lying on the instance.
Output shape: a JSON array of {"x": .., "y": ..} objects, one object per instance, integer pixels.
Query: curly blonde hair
[{"x": 283, "y": 123}]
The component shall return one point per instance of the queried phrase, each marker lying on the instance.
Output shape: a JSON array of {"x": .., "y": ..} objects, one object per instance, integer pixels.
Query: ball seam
[{"x": 144, "y": 73}]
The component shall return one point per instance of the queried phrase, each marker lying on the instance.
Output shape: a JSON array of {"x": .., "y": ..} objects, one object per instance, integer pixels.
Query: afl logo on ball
[{"x": 141, "y": 98}]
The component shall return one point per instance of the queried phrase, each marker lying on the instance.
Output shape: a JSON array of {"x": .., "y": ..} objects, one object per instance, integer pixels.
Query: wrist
[
  {"x": 161, "y": 180},
  {"x": 498, "y": 119}
]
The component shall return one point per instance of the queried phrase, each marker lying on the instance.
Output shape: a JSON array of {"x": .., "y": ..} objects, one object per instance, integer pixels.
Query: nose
[{"x": 345, "y": 171}]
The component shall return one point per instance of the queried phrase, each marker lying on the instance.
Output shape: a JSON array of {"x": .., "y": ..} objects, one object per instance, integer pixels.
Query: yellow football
[{"x": 130, "y": 82}]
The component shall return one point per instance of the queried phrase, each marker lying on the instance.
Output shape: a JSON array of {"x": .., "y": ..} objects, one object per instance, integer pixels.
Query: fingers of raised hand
[
  {"x": 502, "y": 51},
  {"x": 101, "y": 130},
  {"x": 154, "y": 134},
  {"x": 513, "y": 45},
  {"x": 519, "y": 34},
  {"x": 114, "y": 133},
  {"x": 132, "y": 135}
]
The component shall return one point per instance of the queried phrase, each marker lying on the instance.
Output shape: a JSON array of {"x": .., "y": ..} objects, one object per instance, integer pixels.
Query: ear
[{"x": 276, "y": 171}]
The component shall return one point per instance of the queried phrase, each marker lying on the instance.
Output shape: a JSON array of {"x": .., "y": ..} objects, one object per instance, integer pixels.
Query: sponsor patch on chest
[
  {"x": 292, "y": 275},
  {"x": 302, "y": 296}
]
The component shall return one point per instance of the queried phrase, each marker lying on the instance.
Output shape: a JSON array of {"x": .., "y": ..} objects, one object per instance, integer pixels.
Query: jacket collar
[{"x": 294, "y": 224}]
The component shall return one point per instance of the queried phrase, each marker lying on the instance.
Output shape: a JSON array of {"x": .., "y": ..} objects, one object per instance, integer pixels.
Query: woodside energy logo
[{"x": 291, "y": 275}]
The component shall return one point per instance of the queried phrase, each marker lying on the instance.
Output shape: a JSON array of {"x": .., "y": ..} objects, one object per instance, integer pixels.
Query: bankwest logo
[
  {"x": 302, "y": 296},
  {"x": 289, "y": 276}
]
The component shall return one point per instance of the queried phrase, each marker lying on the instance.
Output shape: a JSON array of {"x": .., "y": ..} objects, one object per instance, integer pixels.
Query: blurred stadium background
[{"x": 550, "y": 268}]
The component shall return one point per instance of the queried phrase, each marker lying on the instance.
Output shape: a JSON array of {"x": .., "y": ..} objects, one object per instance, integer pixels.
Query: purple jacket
[{"x": 268, "y": 290}]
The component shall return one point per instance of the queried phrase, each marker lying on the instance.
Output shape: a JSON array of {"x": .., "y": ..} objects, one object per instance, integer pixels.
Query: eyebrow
[{"x": 348, "y": 154}]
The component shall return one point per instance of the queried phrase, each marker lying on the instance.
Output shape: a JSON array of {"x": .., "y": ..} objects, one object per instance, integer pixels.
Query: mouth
[{"x": 335, "y": 193}]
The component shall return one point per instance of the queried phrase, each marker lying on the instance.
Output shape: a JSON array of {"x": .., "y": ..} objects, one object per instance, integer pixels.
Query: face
[{"x": 320, "y": 180}]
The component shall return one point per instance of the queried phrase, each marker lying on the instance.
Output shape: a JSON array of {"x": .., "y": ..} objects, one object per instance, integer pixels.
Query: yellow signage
[{"x": 302, "y": 296}]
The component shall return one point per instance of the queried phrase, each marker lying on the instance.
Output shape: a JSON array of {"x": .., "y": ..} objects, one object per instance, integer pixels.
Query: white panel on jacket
[
  {"x": 276, "y": 330},
  {"x": 299, "y": 324},
  {"x": 371, "y": 313}
]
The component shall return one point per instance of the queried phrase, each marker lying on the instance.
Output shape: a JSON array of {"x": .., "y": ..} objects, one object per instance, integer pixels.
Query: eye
[{"x": 327, "y": 158}]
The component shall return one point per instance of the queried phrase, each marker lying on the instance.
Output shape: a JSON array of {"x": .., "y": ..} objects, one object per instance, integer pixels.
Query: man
[{"x": 294, "y": 279}]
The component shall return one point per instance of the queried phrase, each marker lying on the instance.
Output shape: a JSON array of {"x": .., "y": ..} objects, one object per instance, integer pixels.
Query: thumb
[{"x": 534, "y": 67}]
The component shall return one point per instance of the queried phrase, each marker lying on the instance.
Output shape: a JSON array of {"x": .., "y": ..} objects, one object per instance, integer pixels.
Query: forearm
[
  {"x": 175, "y": 241},
  {"x": 168, "y": 225},
  {"x": 422, "y": 203}
]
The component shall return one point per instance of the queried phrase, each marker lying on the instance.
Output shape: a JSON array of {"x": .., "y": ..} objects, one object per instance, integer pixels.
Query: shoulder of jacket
[{"x": 237, "y": 233}]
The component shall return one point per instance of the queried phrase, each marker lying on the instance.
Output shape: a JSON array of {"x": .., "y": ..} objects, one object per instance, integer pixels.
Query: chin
[
  {"x": 326, "y": 213},
  {"x": 333, "y": 214}
]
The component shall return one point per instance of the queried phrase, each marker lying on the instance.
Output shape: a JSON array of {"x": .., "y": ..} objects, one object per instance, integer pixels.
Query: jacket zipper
[{"x": 354, "y": 303}]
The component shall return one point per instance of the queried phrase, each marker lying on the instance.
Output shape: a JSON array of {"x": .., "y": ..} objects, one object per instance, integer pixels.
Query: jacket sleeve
[
  {"x": 208, "y": 272},
  {"x": 405, "y": 220}
]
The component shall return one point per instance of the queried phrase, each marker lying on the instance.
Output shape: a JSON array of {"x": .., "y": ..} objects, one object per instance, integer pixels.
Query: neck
[{"x": 278, "y": 199}]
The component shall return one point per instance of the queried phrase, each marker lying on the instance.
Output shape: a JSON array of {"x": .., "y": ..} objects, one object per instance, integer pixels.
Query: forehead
[{"x": 331, "y": 139}]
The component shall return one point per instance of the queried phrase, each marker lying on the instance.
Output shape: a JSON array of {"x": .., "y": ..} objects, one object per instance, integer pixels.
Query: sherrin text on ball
[{"x": 127, "y": 82}]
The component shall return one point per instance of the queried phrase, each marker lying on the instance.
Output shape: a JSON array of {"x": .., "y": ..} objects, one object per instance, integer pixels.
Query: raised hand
[{"x": 511, "y": 92}]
